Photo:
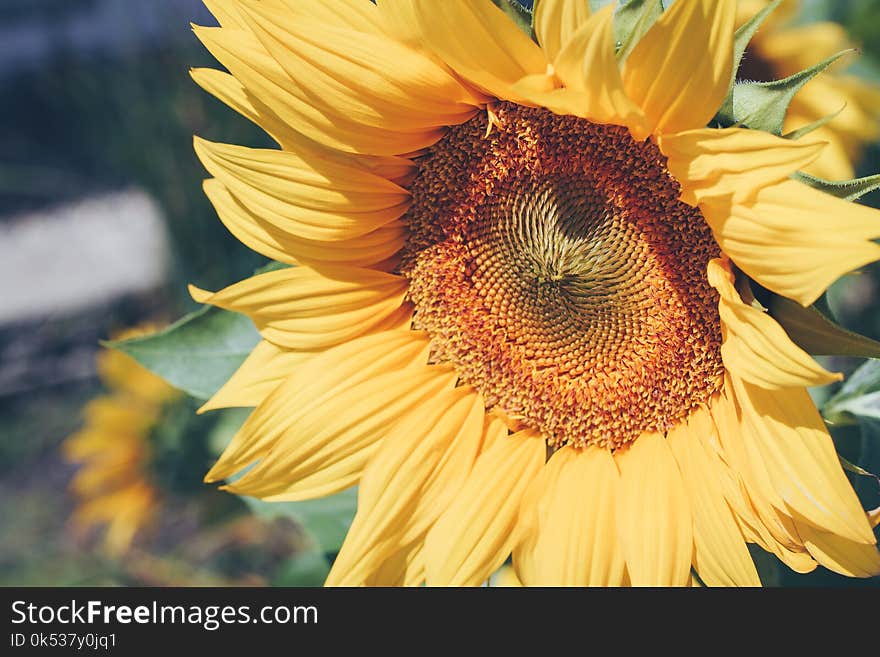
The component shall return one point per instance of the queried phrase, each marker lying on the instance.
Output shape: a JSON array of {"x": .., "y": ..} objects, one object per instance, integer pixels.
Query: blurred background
[{"x": 102, "y": 224}]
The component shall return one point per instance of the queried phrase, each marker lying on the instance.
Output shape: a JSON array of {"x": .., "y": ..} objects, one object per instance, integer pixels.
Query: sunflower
[
  {"x": 779, "y": 50},
  {"x": 113, "y": 485},
  {"x": 519, "y": 311}
]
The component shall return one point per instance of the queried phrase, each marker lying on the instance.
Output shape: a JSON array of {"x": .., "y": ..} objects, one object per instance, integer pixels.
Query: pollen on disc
[{"x": 553, "y": 264}]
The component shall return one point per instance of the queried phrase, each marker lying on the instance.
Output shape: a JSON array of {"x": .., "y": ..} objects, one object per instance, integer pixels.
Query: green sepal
[
  {"x": 518, "y": 14},
  {"x": 763, "y": 105},
  {"x": 631, "y": 21},
  {"x": 741, "y": 40},
  {"x": 198, "y": 353},
  {"x": 814, "y": 332},
  {"x": 848, "y": 190},
  {"x": 859, "y": 396},
  {"x": 807, "y": 129}
]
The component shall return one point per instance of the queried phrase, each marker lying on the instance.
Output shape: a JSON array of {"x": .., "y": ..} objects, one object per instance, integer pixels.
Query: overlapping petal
[
  {"x": 474, "y": 536},
  {"x": 733, "y": 163},
  {"x": 571, "y": 525},
  {"x": 587, "y": 66},
  {"x": 410, "y": 480},
  {"x": 755, "y": 346},
  {"x": 556, "y": 21},
  {"x": 365, "y": 77},
  {"x": 721, "y": 557},
  {"x": 261, "y": 372},
  {"x": 476, "y": 40},
  {"x": 300, "y": 308},
  {"x": 680, "y": 70},
  {"x": 313, "y": 200},
  {"x": 277, "y": 239},
  {"x": 654, "y": 517},
  {"x": 316, "y": 432},
  {"x": 793, "y": 239},
  {"x": 262, "y": 76},
  {"x": 787, "y": 435}
]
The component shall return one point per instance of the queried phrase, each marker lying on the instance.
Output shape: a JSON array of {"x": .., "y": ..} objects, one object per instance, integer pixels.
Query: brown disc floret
[{"x": 552, "y": 263}]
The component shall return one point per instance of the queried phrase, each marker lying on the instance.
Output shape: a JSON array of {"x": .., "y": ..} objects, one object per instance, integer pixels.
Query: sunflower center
[{"x": 553, "y": 264}]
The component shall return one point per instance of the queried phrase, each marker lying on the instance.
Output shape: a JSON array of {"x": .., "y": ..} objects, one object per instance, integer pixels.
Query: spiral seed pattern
[{"x": 553, "y": 264}]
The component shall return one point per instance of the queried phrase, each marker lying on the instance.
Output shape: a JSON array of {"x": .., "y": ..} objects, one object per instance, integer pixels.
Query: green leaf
[
  {"x": 815, "y": 333},
  {"x": 198, "y": 353},
  {"x": 740, "y": 42},
  {"x": 848, "y": 190},
  {"x": 858, "y": 396},
  {"x": 763, "y": 105},
  {"x": 519, "y": 14},
  {"x": 631, "y": 21},
  {"x": 327, "y": 519}
]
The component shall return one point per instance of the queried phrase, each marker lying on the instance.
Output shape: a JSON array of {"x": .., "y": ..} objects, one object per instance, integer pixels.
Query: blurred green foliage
[{"x": 89, "y": 124}]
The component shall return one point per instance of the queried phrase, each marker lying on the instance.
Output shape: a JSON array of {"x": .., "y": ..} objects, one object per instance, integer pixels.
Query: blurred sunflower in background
[
  {"x": 524, "y": 303},
  {"x": 113, "y": 484},
  {"x": 780, "y": 49}
]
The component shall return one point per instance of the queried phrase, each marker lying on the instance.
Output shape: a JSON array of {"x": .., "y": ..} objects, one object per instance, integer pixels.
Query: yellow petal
[
  {"x": 721, "y": 557},
  {"x": 790, "y": 438},
  {"x": 226, "y": 12},
  {"x": 275, "y": 239},
  {"x": 406, "y": 478},
  {"x": 680, "y": 70},
  {"x": 793, "y": 239},
  {"x": 317, "y": 199},
  {"x": 300, "y": 308},
  {"x": 317, "y": 381},
  {"x": 556, "y": 21},
  {"x": 574, "y": 540},
  {"x": 476, "y": 39},
  {"x": 760, "y": 510},
  {"x": 654, "y": 521},
  {"x": 756, "y": 348},
  {"x": 839, "y": 554},
  {"x": 364, "y": 77},
  {"x": 326, "y": 450},
  {"x": 473, "y": 536},
  {"x": 733, "y": 162},
  {"x": 588, "y": 68},
  {"x": 264, "y": 78},
  {"x": 496, "y": 429},
  {"x": 261, "y": 372},
  {"x": 352, "y": 14},
  {"x": 231, "y": 92}
]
